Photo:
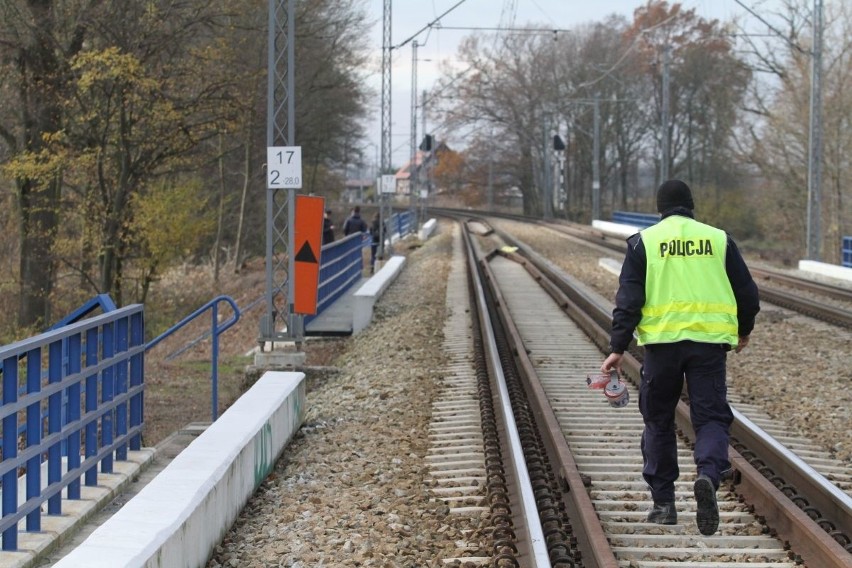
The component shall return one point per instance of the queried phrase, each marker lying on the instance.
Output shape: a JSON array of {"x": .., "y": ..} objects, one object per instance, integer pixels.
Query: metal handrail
[
  {"x": 106, "y": 351},
  {"x": 215, "y": 331}
]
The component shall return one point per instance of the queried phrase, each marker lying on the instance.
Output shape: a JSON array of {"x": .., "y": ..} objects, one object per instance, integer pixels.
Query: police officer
[{"x": 686, "y": 291}]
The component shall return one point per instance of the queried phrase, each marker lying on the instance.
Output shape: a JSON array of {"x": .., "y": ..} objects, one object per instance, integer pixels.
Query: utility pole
[
  {"x": 489, "y": 190},
  {"x": 814, "y": 235},
  {"x": 558, "y": 180},
  {"x": 425, "y": 193},
  {"x": 386, "y": 119},
  {"x": 545, "y": 178},
  {"x": 596, "y": 162},
  {"x": 665, "y": 159},
  {"x": 412, "y": 168},
  {"x": 280, "y": 203}
]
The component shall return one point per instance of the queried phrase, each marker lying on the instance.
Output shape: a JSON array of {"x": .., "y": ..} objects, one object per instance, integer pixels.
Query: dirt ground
[{"x": 178, "y": 387}]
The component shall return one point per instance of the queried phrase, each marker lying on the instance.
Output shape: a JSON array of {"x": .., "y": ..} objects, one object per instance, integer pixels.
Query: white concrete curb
[
  {"x": 615, "y": 228},
  {"x": 427, "y": 229},
  {"x": 365, "y": 297},
  {"x": 610, "y": 265},
  {"x": 180, "y": 516},
  {"x": 832, "y": 270}
]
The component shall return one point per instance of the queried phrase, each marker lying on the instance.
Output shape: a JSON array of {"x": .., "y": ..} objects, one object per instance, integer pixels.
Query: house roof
[
  {"x": 405, "y": 171},
  {"x": 420, "y": 157}
]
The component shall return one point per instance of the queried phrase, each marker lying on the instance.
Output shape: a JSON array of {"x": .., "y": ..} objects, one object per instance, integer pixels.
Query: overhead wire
[
  {"x": 792, "y": 44},
  {"x": 429, "y": 25}
]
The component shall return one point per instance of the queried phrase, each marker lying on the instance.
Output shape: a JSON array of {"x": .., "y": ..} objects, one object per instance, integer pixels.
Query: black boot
[
  {"x": 663, "y": 514},
  {"x": 707, "y": 517}
]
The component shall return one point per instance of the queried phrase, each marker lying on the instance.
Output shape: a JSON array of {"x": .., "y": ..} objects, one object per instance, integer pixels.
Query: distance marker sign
[{"x": 283, "y": 167}]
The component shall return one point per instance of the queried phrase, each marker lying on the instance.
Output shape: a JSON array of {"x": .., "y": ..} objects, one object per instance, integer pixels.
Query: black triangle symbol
[{"x": 306, "y": 254}]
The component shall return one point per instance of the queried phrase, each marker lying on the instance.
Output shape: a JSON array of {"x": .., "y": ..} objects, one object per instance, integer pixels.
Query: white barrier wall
[
  {"x": 610, "y": 265},
  {"x": 832, "y": 270},
  {"x": 615, "y": 228},
  {"x": 365, "y": 297},
  {"x": 427, "y": 229},
  {"x": 180, "y": 516}
]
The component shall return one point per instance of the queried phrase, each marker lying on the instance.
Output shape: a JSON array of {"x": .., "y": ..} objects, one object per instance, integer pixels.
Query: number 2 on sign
[{"x": 284, "y": 167}]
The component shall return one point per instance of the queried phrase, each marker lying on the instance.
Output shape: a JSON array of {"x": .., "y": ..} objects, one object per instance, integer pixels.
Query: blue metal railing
[
  {"x": 102, "y": 301},
  {"x": 341, "y": 266},
  {"x": 641, "y": 220},
  {"x": 106, "y": 355},
  {"x": 846, "y": 252},
  {"x": 402, "y": 222},
  {"x": 216, "y": 331}
]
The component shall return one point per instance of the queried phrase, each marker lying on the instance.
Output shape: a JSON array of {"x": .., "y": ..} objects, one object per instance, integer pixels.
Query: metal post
[
  {"x": 412, "y": 169},
  {"x": 296, "y": 322},
  {"x": 596, "y": 162},
  {"x": 386, "y": 116},
  {"x": 545, "y": 178},
  {"x": 425, "y": 194},
  {"x": 280, "y": 131},
  {"x": 556, "y": 197},
  {"x": 814, "y": 236},
  {"x": 664, "y": 161},
  {"x": 490, "y": 188}
]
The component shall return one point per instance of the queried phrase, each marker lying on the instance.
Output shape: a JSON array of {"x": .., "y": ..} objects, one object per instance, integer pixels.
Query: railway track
[
  {"x": 774, "y": 286},
  {"x": 594, "y": 451},
  {"x": 826, "y": 302}
]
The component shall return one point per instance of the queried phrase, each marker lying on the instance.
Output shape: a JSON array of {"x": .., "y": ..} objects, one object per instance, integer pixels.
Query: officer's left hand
[{"x": 742, "y": 343}]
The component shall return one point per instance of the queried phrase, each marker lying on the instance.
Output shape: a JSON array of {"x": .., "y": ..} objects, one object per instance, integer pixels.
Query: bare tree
[{"x": 776, "y": 133}]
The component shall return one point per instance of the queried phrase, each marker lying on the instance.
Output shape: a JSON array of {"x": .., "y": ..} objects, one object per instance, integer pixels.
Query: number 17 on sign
[{"x": 283, "y": 167}]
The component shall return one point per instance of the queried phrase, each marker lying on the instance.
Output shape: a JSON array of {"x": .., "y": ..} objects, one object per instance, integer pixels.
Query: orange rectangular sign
[{"x": 307, "y": 242}]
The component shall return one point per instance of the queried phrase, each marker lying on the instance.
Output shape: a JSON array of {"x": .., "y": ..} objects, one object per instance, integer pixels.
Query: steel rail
[
  {"x": 535, "y": 540},
  {"x": 591, "y": 539},
  {"x": 830, "y": 290},
  {"x": 825, "y": 312}
]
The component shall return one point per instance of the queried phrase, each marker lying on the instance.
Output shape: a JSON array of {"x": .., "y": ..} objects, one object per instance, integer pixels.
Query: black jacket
[
  {"x": 374, "y": 231},
  {"x": 631, "y": 289},
  {"x": 327, "y": 231},
  {"x": 354, "y": 224}
]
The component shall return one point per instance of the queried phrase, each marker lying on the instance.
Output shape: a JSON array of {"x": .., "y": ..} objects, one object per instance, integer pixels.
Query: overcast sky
[{"x": 439, "y": 46}]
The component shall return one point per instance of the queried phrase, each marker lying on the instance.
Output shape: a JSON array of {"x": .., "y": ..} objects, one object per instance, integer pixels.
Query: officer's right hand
[
  {"x": 742, "y": 343},
  {"x": 612, "y": 362}
]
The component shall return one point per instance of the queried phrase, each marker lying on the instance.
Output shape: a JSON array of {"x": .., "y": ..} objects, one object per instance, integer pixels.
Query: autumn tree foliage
[
  {"x": 448, "y": 172},
  {"x": 111, "y": 108}
]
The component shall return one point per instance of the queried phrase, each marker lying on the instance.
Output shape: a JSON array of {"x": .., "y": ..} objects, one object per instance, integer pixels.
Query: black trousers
[
  {"x": 665, "y": 367},
  {"x": 373, "y": 250}
]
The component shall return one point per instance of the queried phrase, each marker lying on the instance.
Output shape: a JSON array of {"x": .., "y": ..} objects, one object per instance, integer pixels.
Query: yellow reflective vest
[{"x": 687, "y": 292}]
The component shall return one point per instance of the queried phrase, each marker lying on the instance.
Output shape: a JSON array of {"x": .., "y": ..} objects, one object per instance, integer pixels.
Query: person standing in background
[
  {"x": 354, "y": 223},
  {"x": 376, "y": 239},
  {"x": 687, "y": 292},
  {"x": 327, "y": 228}
]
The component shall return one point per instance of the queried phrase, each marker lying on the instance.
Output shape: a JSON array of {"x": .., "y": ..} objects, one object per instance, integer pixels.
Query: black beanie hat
[{"x": 674, "y": 193}]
